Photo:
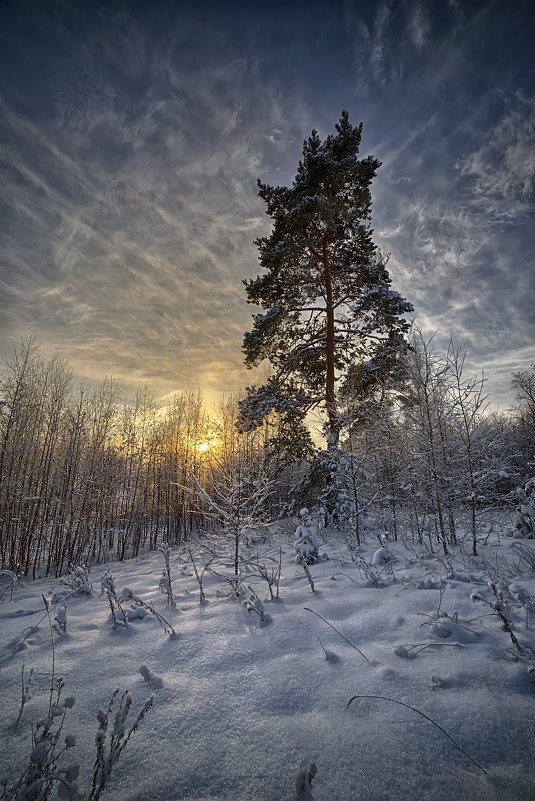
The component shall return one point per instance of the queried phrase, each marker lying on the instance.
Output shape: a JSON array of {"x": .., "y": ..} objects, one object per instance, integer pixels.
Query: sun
[{"x": 202, "y": 447}]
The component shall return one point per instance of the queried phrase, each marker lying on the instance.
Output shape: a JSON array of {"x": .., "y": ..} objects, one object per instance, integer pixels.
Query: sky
[{"x": 132, "y": 135}]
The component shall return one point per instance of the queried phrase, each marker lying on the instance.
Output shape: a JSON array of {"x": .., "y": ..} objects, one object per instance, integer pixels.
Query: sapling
[
  {"x": 499, "y": 606},
  {"x": 138, "y": 603},
  {"x": 251, "y": 602},
  {"x": 60, "y": 625},
  {"x": 305, "y": 544},
  {"x": 200, "y": 575},
  {"x": 118, "y": 614},
  {"x": 165, "y": 583},
  {"x": 77, "y": 580},
  {"x": 238, "y": 500},
  {"x": 26, "y": 693},
  {"x": 308, "y": 574},
  {"x": 12, "y": 579}
]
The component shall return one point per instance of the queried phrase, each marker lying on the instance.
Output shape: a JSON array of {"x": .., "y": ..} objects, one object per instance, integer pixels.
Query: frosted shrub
[
  {"x": 251, "y": 602},
  {"x": 60, "y": 624},
  {"x": 381, "y": 557},
  {"x": 308, "y": 574},
  {"x": 199, "y": 574},
  {"x": 9, "y": 579},
  {"x": 138, "y": 604},
  {"x": 47, "y": 767},
  {"x": 111, "y": 745},
  {"x": 500, "y": 607},
  {"x": 524, "y": 522},
  {"x": 270, "y": 575},
  {"x": 138, "y": 607},
  {"x": 374, "y": 570},
  {"x": 118, "y": 615},
  {"x": 77, "y": 580},
  {"x": 305, "y": 544},
  {"x": 524, "y": 600},
  {"x": 165, "y": 584}
]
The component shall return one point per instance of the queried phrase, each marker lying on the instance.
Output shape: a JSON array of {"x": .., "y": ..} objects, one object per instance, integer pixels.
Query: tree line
[{"x": 85, "y": 477}]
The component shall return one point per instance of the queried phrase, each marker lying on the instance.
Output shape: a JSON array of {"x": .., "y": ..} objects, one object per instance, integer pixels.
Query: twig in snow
[
  {"x": 352, "y": 644},
  {"x": 423, "y": 715}
]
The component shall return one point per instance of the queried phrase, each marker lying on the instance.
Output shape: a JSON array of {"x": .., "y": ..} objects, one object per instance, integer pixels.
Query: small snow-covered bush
[
  {"x": 110, "y": 745},
  {"x": 118, "y": 614},
  {"x": 251, "y": 602},
  {"x": 139, "y": 606},
  {"x": 165, "y": 584},
  {"x": 270, "y": 575},
  {"x": 60, "y": 624},
  {"x": 500, "y": 607},
  {"x": 77, "y": 580},
  {"x": 381, "y": 557},
  {"x": 47, "y": 768},
  {"x": 9, "y": 579},
  {"x": 524, "y": 521},
  {"x": 305, "y": 544}
]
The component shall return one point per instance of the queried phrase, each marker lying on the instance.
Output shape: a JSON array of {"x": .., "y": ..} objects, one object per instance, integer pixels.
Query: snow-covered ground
[{"x": 242, "y": 706}]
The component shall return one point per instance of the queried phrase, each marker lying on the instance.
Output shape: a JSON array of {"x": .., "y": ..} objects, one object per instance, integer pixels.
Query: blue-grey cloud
[{"x": 132, "y": 138}]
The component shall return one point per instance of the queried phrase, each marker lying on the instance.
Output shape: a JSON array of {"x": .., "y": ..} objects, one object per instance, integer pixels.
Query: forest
[{"x": 87, "y": 477}]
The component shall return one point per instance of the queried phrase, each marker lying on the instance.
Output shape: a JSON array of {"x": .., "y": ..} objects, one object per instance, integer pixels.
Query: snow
[{"x": 256, "y": 709}]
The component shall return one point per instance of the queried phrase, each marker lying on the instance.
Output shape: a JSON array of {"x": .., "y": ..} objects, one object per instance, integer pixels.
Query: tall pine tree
[{"x": 325, "y": 290}]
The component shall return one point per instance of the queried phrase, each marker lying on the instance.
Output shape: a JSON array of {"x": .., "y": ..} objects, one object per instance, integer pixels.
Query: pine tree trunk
[{"x": 329, "y": 346}]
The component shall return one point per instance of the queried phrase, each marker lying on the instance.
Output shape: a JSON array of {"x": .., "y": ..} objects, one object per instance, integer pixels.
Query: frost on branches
[
  {"x": 325, "y": 291},
  {"x": 306, "y": 546},
  {"x": 524, "y": 522}
]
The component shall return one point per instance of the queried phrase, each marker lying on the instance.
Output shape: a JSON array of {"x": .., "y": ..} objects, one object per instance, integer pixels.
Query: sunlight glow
[{"x": 202, "y": 447}]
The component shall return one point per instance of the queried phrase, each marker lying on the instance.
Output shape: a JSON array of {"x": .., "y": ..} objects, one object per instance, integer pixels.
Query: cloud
[
  {"x": 131, "y": 145},
  {"x": 134, "y": 205},
  {"x": 390, "y": 39},
  {"x": 461, "y": 244},
  {"x": 419, "y": 25},
  {"x": 501, "y": 169}
]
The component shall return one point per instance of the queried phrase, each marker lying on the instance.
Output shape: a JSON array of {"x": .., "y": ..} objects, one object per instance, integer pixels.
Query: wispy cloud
[
  {"x": 131, "y": 142},
  {"x": 502, "y": 168},
  {"x": 419, "y": 25},
  {"x": 461, "y": 245},
  {"x": 148, "y": 215}
]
